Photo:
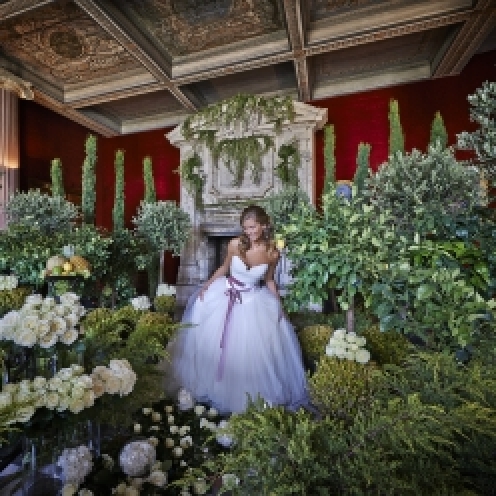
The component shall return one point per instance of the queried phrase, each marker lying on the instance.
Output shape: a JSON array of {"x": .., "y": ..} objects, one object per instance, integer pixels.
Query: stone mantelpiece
[{"x": 223, "y": 201}]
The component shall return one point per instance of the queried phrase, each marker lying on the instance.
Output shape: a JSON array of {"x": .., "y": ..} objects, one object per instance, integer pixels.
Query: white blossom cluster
[
  {"x": 76, "y": 464},
  {"x": 8, "y": 282},
  {"x": 69, "y": 390},
  {"x": 348, "y": 345},
  {"x": 117, "y": 378},
  {"x": 166, "y": 290},
  {"x": 141, "y": 303},
  {"x": 42, "y": 321}
]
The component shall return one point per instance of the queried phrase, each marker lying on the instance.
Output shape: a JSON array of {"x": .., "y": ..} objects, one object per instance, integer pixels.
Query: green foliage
[
  {"x": 329, "y": 158},
  {"x": 119, "y": 201},
  {"x": 313, "y": 340},
  {"x": 150, "y": 194},
  {"x": 362, "y": 171},
  {"x": 242, "y": 154},
  {"x": 396, "y": 137},
  {"x": 483, "y": 140},
  {"x": 281, "y": 205},
  {"x": 165, "y": 304},
  {"x": 56, "y": 176},
  {"x": 89, "y": 181},
  {"x": 438, "y": 131},
  {"x": 386, "y": 347},
  {"x": 342, "y": 388},
  {"x": 421, "y": 190},
  {"x": 190, "y": 171},
  {"x": 289, "y": 163},
  {"x": 163, "y": 225},
  {"x": 12, "y": 299},
  {"x": 46, "y": 213}
]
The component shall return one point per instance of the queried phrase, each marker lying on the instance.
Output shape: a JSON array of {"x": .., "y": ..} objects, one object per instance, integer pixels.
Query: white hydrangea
[
  {"x": 166, "y": 290},
  {"x": 347, "y": 345},
  {"x": 141, "y": 303}
]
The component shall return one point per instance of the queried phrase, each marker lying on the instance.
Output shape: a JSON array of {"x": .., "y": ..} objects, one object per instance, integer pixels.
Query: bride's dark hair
[{"x": 258, "y": 214}]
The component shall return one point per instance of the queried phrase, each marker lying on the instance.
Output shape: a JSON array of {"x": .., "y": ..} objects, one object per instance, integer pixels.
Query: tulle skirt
[{"x": 260, "y": 355}]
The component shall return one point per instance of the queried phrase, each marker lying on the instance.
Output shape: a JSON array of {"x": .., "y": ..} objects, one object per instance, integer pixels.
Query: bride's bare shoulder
[{"x": 234, "y": 245}]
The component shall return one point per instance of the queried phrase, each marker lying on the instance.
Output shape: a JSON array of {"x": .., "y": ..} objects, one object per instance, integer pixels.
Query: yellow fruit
[
  {"x": 67, "y": 267},
  {"x": 79, "y": 263}
]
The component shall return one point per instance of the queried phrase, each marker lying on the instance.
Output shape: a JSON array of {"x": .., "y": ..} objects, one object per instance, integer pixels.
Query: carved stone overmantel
[
  {"x": 222, "y": 200},
  {"x": 12, "y": 83}
]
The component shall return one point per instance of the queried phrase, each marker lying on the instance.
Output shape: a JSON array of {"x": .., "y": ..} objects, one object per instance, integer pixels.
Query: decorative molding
[
  {"x": 15, "y": 84},
  {"x": 13, "y": 8},
  {"x": 73, "y": 114},
  {"x": 468, "y": 39},
  {"x": 386, "y": 33},
  {"x": 296, "y": 32},
  {"x": 146, "y": 55}
]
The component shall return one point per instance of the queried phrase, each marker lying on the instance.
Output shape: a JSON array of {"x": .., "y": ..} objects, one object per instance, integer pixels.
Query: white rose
[
  {"x": 43, "y": 327},
  {"x": 71, "y": 320},
  {"x": 330, "y": 351},
  {"x": 349, "y": 355},
  {"x": 169, "y": 408},
  {"x": 351, "y": 337},
  {"x": 26, "y": 337},
  {"x": 185, "y": 400},
  {"x": 77, "y": 369},
  {"x": 173, "y": 429},
  {"x": 98, "y": 387},
  {"x": 153, "y": 441},
  {"x": 212, "y": 412},
  {"x": 157, "y": 478},
  {"x": 177, "y": 452},
  {"x": 169, "y": 442},
  {"x": 52, "y": 400},
  {"x": 23, "y": 396},
  {"x": 69, "y": 299},
  {"x": 48, "y": 340},
  {"x": 200, "y": 486},
  {"x": 77, "y": 393},
  {"x": 184, "y": 430},
  {"x": 39, "y": 382},
  {"x": 33, "y": 299},
  {"x": 58, "y": 326},
  {"x": 156, "y": 417},
  {"x": 63, "y": 404},
  {"x": 25, "y": 413},
  {"x": 339, "y": 333},
  {"x": 147, "y": 411},
  {"x": 186, "y": 442},
  {"x": 361, "y": 341},
  {"x": 65, "y": 374},
  {"x": 69, "y": 336},
  {"x": 362, "y": 356},
  {"x": 170, "y": 419},
  {"x": 112, "y": 385},
  {"x": 76, "y": 405},
  {"x": 89, "y": 399},
  {"x": 83, "y": 381},
  {"x": 199, "y": 409}
]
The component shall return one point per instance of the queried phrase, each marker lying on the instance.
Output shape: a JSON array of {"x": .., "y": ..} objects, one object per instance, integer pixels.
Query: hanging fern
[
  {"x": 240, "y": 154},
  {"x": 289, "y": 162},
  {"x": 189, "y": 170}
]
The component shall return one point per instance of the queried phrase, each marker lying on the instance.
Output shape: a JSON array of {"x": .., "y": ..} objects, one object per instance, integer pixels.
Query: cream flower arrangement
[
  {"x": 117, "y": 378},
  {"x": 43, "y": 321},
  {"x": 8, "y": 283},
  {"x": 141, "y": 303},
  {"x": 347, "y": 345}
]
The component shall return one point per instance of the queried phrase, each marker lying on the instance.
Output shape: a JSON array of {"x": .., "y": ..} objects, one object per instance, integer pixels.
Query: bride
[{"x": 238, "y": 344}]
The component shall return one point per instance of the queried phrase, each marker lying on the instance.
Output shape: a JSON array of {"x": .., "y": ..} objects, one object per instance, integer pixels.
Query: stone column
[{"x": 11, "y": 89}]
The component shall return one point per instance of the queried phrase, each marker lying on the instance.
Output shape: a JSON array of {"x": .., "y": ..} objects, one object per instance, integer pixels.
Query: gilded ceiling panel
[
  {"x": 63, "y": 44},
  {"x": 183, "y": 27}
]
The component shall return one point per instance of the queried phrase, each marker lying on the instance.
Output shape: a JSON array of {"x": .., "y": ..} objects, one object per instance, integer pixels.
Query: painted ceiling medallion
[
  {"x": 199, "y": 11},
  {"x": 66, "y": 43}
]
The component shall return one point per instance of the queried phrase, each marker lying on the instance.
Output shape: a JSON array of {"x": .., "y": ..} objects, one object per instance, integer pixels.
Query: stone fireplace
[{"x": 218, "y": 220}]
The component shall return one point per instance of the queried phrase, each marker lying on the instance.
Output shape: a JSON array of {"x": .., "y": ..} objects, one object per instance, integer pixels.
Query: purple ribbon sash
[{"x": 233, "y": 291}]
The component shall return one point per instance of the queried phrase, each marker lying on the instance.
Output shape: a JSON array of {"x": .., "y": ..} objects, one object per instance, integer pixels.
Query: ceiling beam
[
  {"x": 296, "y": 32},
  {"x": 468, "y": 39},
  {"x": 14, "y": 8},
  {"x": 135, "y": 43},
  {"x": 72, "y": 114}
]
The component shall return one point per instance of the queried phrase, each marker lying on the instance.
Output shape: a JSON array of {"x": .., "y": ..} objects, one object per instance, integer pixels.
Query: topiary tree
[
  {"x": 329, "y": 157},
  {"x": 150, "y": 194},
  {"x": 56, "y": 176},
  {"x": 396, "y": 136},
  {"x": 362, "y": 170},
  {"x": 438, "y": 131},
  {"x": 118, "y": 210},
  {"x": 89, "y": 181},
  {"x": 483, "y": 140}
]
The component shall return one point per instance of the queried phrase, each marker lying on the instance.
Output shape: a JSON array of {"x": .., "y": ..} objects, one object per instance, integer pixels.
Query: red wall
[{"x": 45, "y": 135}]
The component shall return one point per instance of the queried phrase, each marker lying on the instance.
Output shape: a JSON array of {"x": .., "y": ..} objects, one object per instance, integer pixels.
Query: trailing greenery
[
  {"x": 289, "y": 163},
  {"x": 242, "y": 154},
  {"x": 150, "y": 194},
  {"x": 396, "y": 136},
  {"x": 119, "y": 200},
  {"x": 190, "y": 171},
  {"x": 89, "y": 181},
  {"x": 438, "y": 131},
  {"x": 57, "y": 180},
  {"x": 483, "y": 140},
  {"x": 422, "y": 190},
  {"x": 41, "y": 211},
  {"x": 329, "y": 158},
  {"x": 362, "y": 171}
]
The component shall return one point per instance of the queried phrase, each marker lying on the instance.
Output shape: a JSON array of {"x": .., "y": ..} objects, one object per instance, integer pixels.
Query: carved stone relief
[
  {"x": 182, "y": 27},
  {"x": 220, "y": 215},
  {"x": 64, "y": 44}
]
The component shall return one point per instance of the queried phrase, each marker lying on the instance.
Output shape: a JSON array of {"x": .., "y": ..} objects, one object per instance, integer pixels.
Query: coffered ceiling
[{"x": 122, "y": 66}]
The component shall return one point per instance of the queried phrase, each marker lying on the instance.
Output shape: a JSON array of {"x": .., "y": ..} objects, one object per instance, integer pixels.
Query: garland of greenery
[
  {"x": 89, "y": 181},
  {"x": 239, "y": 154},
  {"x": 289, "y": 162},
  {"x": 118, "y": 211},
  {"x": 189, "y": 171}
]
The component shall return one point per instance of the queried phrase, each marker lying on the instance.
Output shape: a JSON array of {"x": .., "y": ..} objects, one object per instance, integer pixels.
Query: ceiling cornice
[
  {"x": 296, "y": 33},
  {"x": 468, "y": 39},
  {"x": 16, "y": 7},
  {"x": 135, "y": 43}
]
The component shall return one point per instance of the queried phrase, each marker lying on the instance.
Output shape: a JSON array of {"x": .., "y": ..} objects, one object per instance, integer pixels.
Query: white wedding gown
[{"x": 238, "y": 344}]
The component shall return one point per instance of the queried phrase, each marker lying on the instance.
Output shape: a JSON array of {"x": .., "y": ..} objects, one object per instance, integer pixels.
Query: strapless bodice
[{"x": 250, "y": 276}]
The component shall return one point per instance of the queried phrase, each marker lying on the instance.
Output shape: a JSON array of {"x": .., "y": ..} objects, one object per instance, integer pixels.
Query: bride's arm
[
  {"x": 269, "y": 277},
  {"x": 232, "y": 249}
]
